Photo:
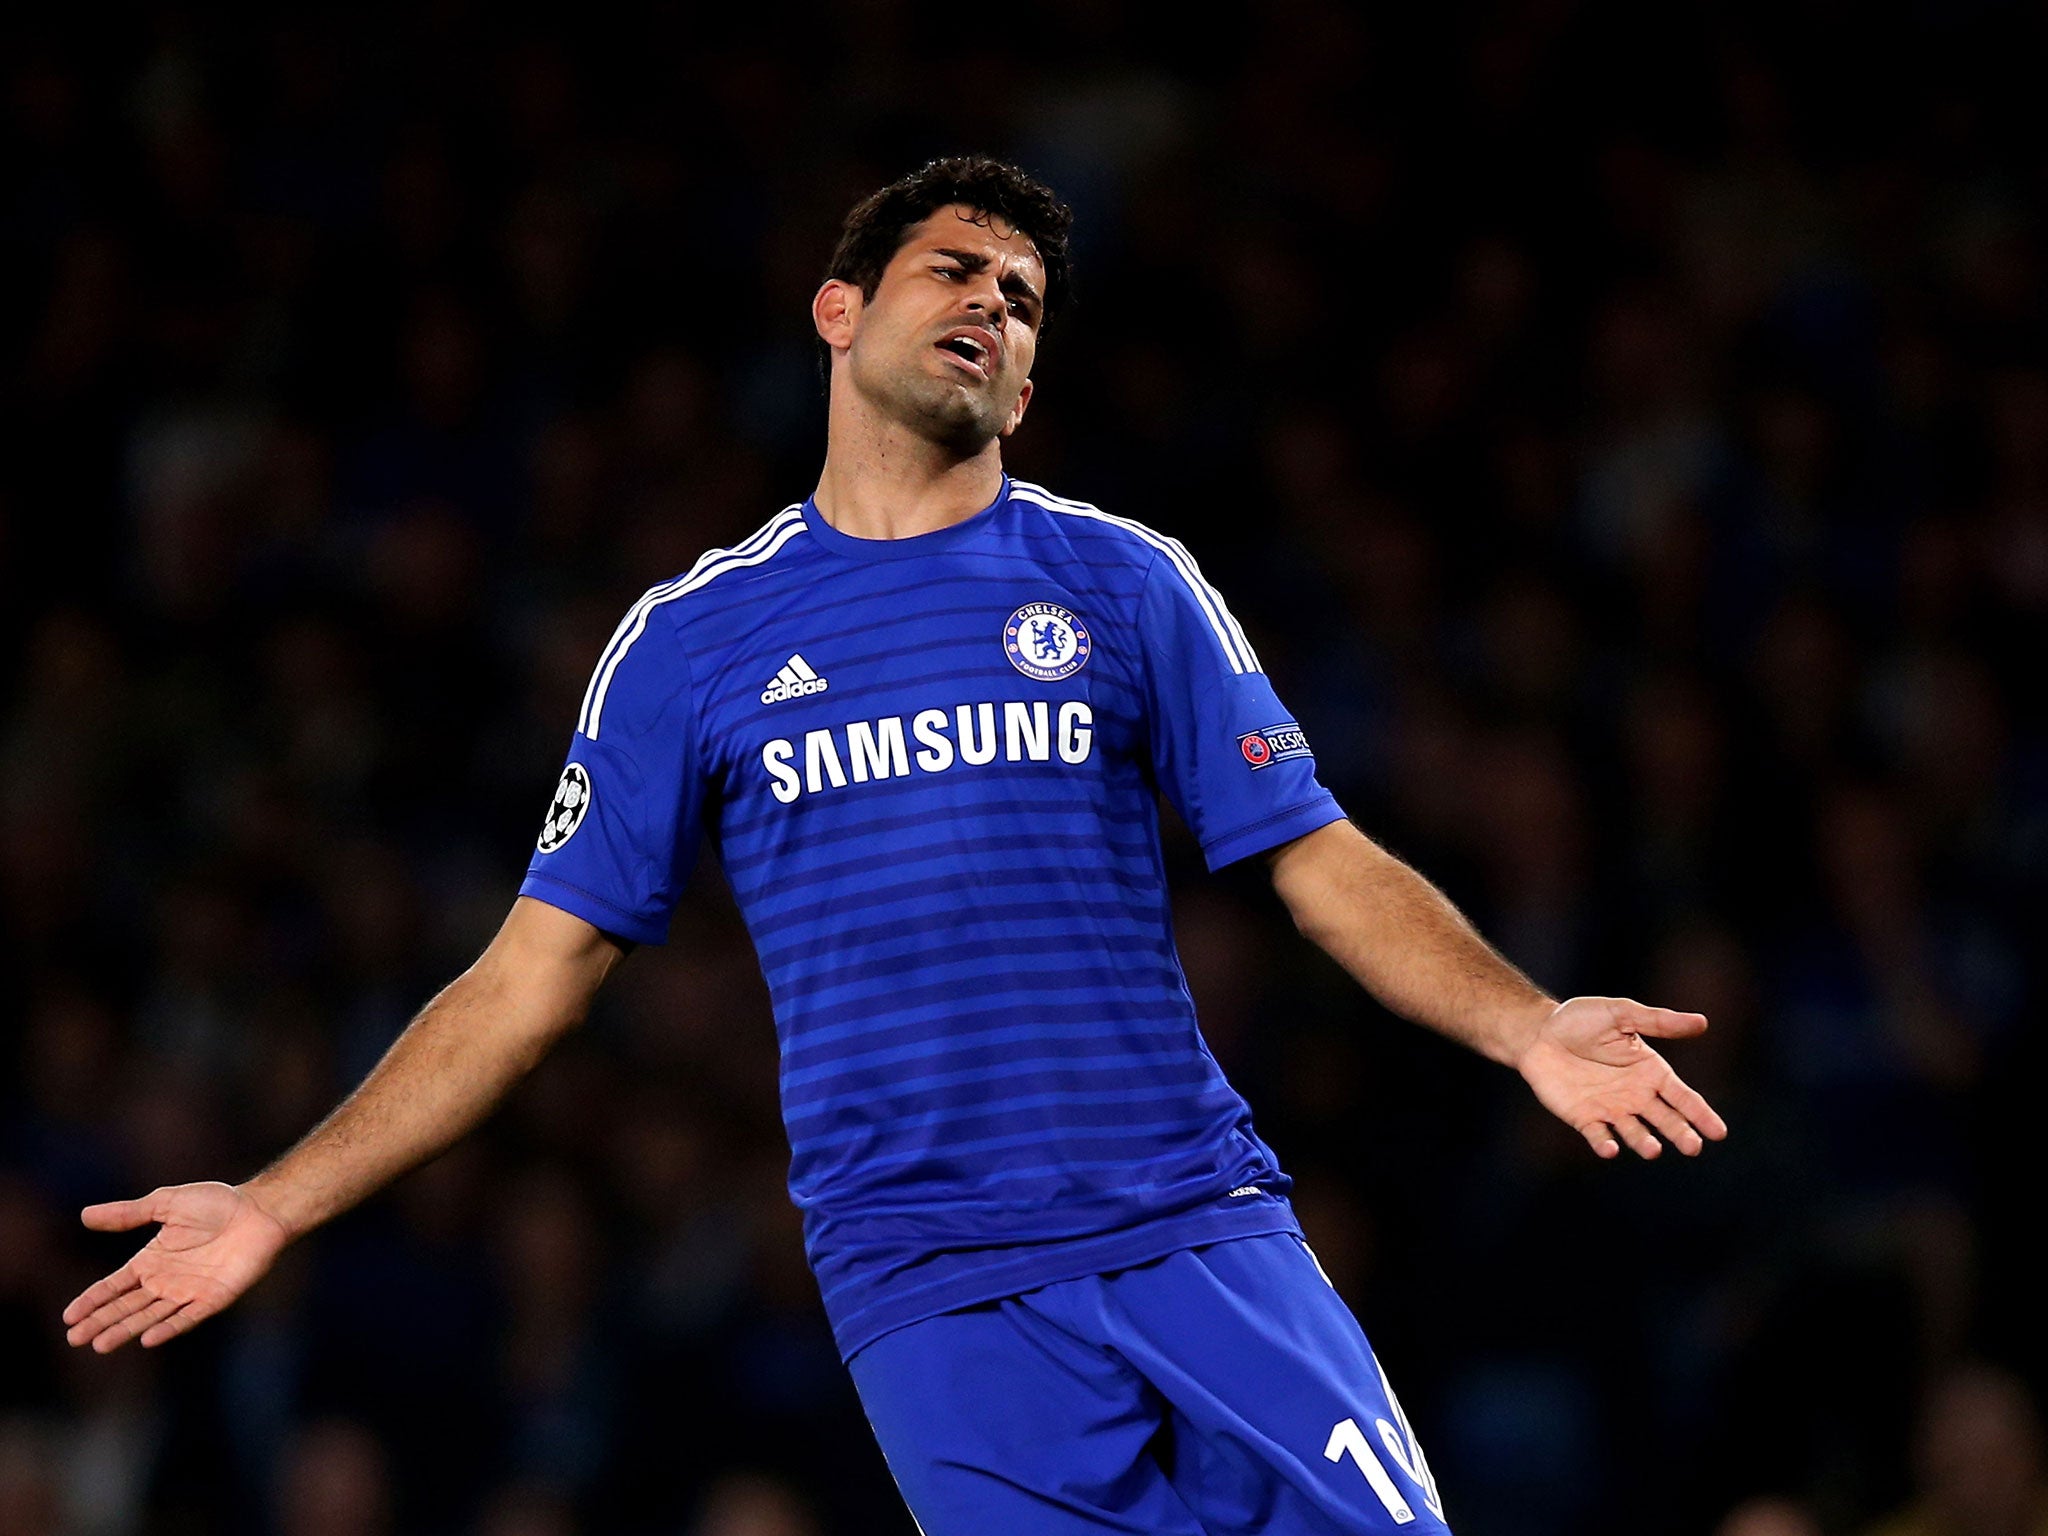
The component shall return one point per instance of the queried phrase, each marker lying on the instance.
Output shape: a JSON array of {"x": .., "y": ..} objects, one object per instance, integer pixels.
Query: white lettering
[
  {"x": 1026, "y": 732},
  {"x": 779, "y": 692},
  {"x": 872, "y": 758},
  {"x": 775, "y": 758},
  {"x": 1076, "y": 737},
  {"x": 985, "y": 750},
  {"x": 869, "y": 751},
  {"x": 937, "y": 756},
  {"x": 819, "y": 752}
]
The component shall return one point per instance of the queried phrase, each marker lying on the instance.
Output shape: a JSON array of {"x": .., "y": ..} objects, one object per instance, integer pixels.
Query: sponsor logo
[
  {"x": 796, "y": 680},
  {"x": 1045, "y": 641},
  {"x": 1276, "y": 743},
  {"x": 930, "y": 741},
  {"x": 1242, "y": 1190},
  {"x": 565, "y": 815}
]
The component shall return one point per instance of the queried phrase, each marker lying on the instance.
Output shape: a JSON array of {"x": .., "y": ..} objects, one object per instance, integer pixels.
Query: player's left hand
[{"x": 1591, "y": 1067}]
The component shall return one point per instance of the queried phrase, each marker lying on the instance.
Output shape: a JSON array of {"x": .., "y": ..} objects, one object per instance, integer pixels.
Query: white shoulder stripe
[
  {"x": 1236, "y": 648},
  {"x": 754, "y": 550},
  {"x": 653, "y": 594}
]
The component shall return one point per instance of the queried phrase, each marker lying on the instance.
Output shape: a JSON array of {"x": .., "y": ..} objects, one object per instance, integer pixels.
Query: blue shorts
[{"x": 1220, "y": 1390}]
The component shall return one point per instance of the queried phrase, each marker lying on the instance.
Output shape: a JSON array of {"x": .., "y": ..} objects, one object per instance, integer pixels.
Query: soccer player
[{"x": 924, "y": 716}]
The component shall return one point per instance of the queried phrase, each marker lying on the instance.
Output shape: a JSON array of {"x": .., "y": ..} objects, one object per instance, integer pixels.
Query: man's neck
[{"x": 882, "y": 481}]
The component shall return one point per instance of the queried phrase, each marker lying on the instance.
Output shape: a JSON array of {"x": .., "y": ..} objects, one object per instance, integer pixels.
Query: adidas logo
[{"x": 796, "y": 680}]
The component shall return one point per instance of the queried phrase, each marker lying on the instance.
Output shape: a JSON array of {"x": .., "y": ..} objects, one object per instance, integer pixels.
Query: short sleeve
[
  {"x": 621, "y": 832},
  {"x": 1234, "y": 762}
]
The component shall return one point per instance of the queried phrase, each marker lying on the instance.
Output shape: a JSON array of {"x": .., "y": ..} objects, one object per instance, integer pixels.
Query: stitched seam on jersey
[
  {"x": 1236, "y": 648},
  {"x": 701, "y": 575},
  {"x": 639, "y": 923},
  {"x": 1264, "y": 821}
]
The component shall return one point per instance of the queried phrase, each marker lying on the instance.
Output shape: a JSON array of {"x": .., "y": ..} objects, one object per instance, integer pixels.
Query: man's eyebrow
[
  {"x": 975, "y": 261},
  {"x": 1013, "y": 285}
]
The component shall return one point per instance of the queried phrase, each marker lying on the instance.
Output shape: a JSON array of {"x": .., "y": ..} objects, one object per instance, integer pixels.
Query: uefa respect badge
[
  {"x": 1274, "y": 744},
  {"x": 1045, "y": 641}
]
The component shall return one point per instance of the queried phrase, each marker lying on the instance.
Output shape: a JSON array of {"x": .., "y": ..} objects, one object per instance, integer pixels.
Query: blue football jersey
[{"x": 929, "y": 768}]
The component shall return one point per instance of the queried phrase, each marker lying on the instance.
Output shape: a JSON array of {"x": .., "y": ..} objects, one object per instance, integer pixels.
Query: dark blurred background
[{"x": 1623, "y": 430}]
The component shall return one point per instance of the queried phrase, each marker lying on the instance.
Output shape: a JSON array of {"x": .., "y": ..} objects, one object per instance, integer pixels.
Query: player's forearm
[
  {"x": 440, "y": 1078},
  {"x": 1405, "y": 943},
  {"x": 443, "y": 1075}
]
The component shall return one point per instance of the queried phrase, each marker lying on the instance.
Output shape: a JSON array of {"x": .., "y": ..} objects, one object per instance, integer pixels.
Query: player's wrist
[
  {"x": 273, "y": 1201},
  {"x": 1521, "y": 1027}
]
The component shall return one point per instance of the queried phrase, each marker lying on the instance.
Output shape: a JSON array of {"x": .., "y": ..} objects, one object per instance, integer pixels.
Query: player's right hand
[{"x": 213, "y": 1242}]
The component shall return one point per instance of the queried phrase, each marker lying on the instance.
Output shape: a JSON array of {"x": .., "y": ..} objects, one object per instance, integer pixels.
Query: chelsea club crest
[{"x": 1045, "y": 641}]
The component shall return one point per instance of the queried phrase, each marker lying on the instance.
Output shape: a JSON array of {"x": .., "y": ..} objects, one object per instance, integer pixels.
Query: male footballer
[{"x": 924, "y": 716}]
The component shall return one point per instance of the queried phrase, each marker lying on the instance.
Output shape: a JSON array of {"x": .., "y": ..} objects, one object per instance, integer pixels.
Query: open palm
[
  {"x": 1591, "y": 1067},
  {"x": 214, "y": 1242}
]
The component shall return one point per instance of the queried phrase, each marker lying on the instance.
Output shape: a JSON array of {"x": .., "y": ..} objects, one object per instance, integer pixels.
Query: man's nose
[{"x": 987, "y": 298}]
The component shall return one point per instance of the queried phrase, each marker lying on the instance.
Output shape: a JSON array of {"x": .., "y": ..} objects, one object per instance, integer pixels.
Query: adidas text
[{"x": 796, "y": 680}]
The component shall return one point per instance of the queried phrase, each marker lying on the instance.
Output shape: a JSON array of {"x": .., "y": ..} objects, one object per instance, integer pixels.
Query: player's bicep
[
  {"x": 554, "y": 935},
  {"x": 551, "y": 948}
]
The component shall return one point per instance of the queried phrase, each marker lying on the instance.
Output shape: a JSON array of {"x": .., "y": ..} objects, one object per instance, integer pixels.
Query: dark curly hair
[{"x": 875, "y": 229}]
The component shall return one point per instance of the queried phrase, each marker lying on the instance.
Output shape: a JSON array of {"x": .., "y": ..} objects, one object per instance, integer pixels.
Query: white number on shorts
[
  {"x": 1414, "y": 1463},
  {"x": 1348, "y": 1439}
]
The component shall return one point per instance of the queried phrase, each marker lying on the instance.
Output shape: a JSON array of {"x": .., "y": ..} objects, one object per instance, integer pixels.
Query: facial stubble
[{"x": 957, "y": 417}]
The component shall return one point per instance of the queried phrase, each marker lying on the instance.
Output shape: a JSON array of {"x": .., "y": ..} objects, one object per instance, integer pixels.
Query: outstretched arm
[
  {"x": 444, "y": 1074},
  {"x": 1585, "y": 1059}
]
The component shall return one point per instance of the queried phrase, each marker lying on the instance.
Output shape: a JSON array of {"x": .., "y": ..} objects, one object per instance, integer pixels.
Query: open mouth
[{"x": 970, "y": 351}]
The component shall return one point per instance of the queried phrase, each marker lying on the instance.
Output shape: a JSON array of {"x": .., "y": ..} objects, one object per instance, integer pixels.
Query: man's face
[{"x": 946, "y": 343}]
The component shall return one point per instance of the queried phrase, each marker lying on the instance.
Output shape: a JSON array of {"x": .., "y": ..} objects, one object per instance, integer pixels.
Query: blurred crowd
[{"x": 1623, "y": 431}]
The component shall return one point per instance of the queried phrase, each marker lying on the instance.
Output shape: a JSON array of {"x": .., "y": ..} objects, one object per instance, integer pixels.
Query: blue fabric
[
  {"x": 1197, "y": 1395},
  {"x": 930, "y": 768}
]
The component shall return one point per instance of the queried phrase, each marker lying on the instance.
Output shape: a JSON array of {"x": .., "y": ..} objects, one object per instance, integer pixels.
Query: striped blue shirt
[{"x": 929, "y": 767}]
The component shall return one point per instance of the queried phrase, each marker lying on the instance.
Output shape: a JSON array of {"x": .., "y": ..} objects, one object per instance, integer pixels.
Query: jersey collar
[{"x": 938, "y": 539}]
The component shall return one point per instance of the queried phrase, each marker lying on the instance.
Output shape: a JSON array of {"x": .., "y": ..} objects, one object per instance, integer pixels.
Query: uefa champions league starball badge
[
  {"x": 1045, "y": 641},
  {"x": 565, "y": 815}
]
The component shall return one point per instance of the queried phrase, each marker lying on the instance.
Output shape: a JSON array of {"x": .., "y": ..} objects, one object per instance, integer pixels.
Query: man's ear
[
  {"x": 1017, "y": 412},
  {"x": 835, "y": 311}
]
